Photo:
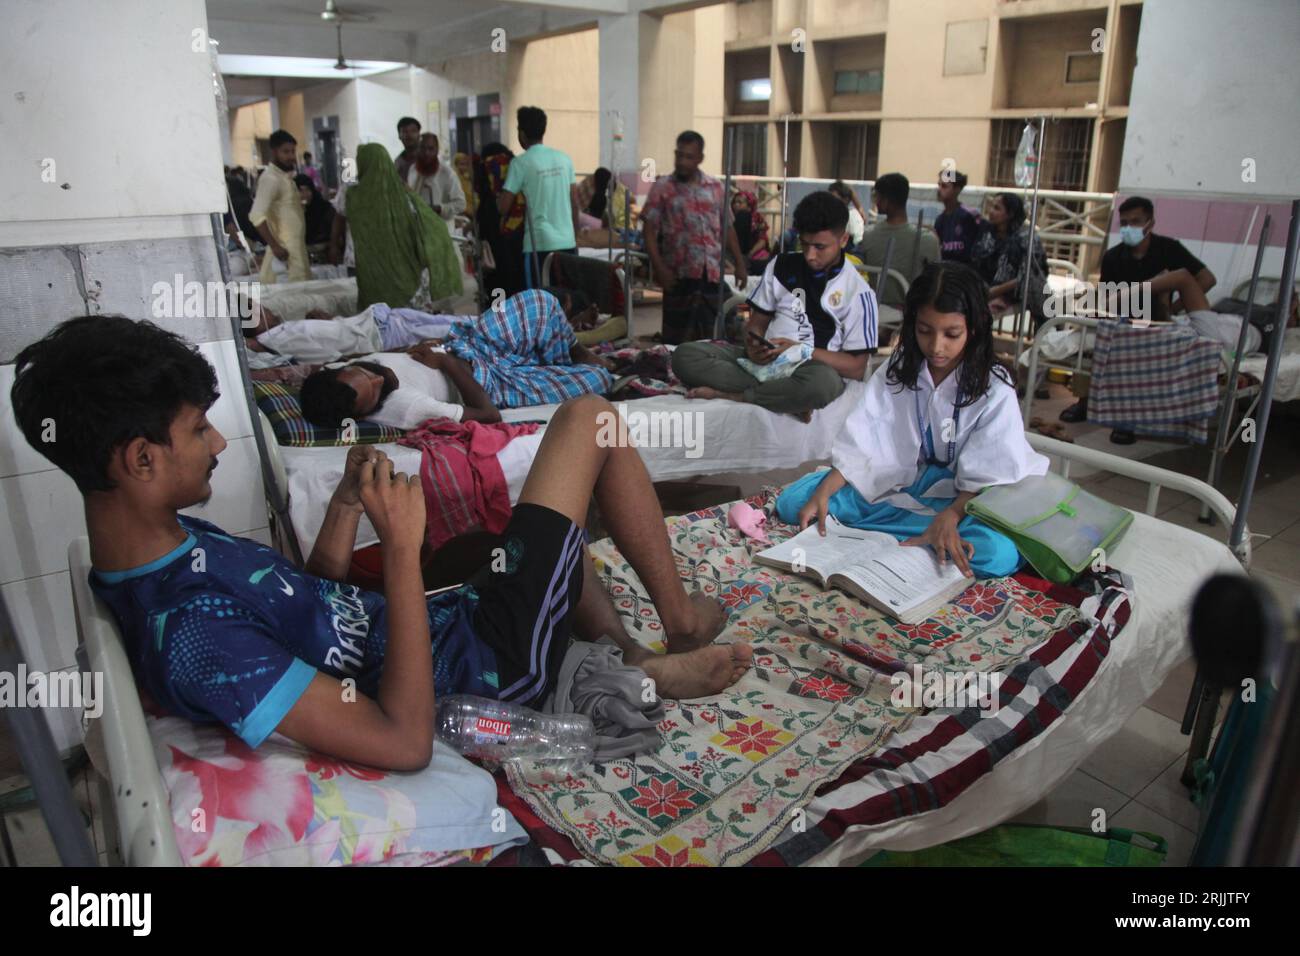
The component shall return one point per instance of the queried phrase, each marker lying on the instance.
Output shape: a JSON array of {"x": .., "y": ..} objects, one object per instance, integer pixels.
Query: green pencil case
[{"x": 1055, "y": 524}]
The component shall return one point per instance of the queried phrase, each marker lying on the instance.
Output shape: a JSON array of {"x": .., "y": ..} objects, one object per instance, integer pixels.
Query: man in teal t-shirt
[{"x": 545, "y": 177}]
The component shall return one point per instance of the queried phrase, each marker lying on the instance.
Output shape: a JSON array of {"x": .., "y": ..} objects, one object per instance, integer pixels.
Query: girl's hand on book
[
  {"x": 816, "y": 509},
  {"x": 943, "y": 538}
]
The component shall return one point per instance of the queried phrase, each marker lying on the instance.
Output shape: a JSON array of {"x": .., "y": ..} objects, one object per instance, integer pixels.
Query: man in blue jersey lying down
[{"x": 220, "y": 628}]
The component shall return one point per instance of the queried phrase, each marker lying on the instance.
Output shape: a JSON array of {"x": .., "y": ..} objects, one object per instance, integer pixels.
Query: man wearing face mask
[{"x": 1144, "y": 256}]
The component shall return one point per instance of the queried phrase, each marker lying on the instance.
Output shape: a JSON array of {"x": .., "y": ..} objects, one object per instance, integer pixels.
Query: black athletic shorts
[{"x": 527, "y": 595}]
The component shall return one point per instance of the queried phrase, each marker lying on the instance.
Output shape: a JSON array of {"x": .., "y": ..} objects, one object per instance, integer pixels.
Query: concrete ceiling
[{"x": 410, "y": 31}]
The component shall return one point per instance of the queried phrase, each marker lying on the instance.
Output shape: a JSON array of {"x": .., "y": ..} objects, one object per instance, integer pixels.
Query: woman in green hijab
[{"x": 404, "y": 253}]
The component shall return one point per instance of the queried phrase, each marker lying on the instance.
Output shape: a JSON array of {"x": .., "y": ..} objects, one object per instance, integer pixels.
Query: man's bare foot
[
  {"x": 698, "y": 673},
  {"x": 704, "y": 391},
  {"x": 710, "y": 619}
]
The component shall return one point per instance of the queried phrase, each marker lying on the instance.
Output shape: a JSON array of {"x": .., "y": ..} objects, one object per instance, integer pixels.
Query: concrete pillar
[{"x": 620, "y": 91}]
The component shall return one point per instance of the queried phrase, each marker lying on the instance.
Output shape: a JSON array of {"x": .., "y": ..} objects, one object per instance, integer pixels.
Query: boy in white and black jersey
[{"x": 811, "y": 299}]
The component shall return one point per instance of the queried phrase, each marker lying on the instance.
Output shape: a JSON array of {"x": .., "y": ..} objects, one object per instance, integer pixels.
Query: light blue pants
[
  {"x": 401, "y": 328},
  {"x": 995, "y": 554}
]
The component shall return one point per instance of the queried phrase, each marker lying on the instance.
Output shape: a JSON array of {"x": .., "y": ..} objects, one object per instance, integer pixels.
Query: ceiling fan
[{"x": 332, "y": 14}]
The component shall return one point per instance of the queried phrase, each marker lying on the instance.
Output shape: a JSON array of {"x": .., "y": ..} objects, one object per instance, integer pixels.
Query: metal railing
[{"x": 1070, "y": 223}]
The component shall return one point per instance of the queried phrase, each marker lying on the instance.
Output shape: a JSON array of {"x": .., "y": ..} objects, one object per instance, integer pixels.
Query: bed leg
[{"x": 1207, "y": 712}]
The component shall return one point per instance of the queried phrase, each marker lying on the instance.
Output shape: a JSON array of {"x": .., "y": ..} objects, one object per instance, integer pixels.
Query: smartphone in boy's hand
[{"x": 759, "y": 349}]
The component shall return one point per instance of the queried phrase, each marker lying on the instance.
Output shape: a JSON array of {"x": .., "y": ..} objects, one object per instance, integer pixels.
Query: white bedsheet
[
  {"x": 1168, "y": 563},
  {"x": 314, "y": 473},
  {"x": 293, "y": 300},
  {"x": 730, "y": 436},
  {"x": 1287, "y": 388}
]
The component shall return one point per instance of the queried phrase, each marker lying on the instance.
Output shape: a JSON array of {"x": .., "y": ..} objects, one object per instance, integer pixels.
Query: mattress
[
  {"x": 1167, "y": 564},
  {"x": 1287, "y": 388},
  {"x": 716, "y": 436},
  {"x": 293, "y": 300},
  {"x": 314, "y": 473}
]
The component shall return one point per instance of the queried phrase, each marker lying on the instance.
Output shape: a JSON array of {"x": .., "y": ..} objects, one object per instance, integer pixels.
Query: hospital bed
[
  {"x": 1067, "y": 341},
  {"x": 729, "y": 437},
  {"x": 1167, "y": 563}
]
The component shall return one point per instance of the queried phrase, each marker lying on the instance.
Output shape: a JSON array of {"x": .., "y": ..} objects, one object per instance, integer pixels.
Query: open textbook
[{"x": 907, "y": 583}]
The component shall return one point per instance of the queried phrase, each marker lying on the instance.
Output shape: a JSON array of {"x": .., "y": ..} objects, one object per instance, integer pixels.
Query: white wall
[
  {"x": 118, "y": 99},
  {"x": 382, "y": 100},
  {"x": 126, "y": 109},
  {"x": 1215, "y": 84},
  {"x": 333, "y": 98}
]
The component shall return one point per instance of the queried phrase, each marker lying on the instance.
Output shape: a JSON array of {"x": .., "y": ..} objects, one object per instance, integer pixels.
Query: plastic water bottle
[{"x": 498, "y": 733}]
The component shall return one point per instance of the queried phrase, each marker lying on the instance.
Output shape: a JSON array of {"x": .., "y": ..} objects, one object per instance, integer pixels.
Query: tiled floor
[
  {"x": 1134, "y": 776},
  {"x": 29, "y": 837}
]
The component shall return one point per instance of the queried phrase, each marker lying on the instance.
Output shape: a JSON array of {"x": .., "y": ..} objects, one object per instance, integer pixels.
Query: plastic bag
[
  {"x": 1026, "y": 158},
  {"x": 783, "y": 366}
]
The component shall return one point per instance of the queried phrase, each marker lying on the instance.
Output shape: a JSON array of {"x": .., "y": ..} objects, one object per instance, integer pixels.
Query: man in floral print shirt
[{"x": 683, "y": 228}]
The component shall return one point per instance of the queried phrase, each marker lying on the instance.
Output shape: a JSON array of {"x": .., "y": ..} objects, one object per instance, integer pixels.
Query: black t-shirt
[
  {"x": 958, "y": 230},
  {"x": 1163, "y": 254}
]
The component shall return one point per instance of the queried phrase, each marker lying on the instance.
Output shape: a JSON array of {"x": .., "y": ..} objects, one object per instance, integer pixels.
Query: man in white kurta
[
  {"x": 277, "y": 213},
  {"x": 434, "y": 181}
]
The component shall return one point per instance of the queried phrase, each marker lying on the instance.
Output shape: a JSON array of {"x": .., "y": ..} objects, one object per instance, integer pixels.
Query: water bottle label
[{"x": 492, "y": 726}]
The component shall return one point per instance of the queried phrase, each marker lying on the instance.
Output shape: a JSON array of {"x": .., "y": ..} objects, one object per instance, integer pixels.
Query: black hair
[
  {"x": 1138, "y": 202},
  {"x": 600, "y": 193},
  {"x": 572, "y": 301},
  {"x": 280, "y": 137},
  {"x": 326, "y": 401},
  {"x": 407, "y": 121},
  {"x": 949, "y": 287},
  {"x": 1015, "y": 207},
  {"x": 690, "y": 136},
  {"x": 959, "y": 179},
  {"x": 306, "y": 157},
  {"x": 102, "y": 381},
  {"x": 820, "y": 211},
  {"x": 302, "y": 179},
  {"x": 841, "y": 188},
  {"x": 532, "y": 121},
  {"x": 893, "y": 187},
  {"x": 494, "y": 149}
]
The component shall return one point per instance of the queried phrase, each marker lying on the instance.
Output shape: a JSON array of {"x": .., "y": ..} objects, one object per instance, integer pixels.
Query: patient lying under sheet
[{"x": 378, "y": 328}]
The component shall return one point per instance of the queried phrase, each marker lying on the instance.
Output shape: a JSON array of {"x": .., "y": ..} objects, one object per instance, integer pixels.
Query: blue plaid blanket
[
  {"x": 519, "y": 353},
  {"x": 1159, "y": 382}
]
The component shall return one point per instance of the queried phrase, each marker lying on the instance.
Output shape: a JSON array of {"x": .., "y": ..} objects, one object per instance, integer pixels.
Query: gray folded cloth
[{"x": 594, "y": 681}]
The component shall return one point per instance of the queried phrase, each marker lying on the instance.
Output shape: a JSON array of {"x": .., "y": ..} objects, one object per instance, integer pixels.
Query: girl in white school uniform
[{"x": 938, "y": 423}]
